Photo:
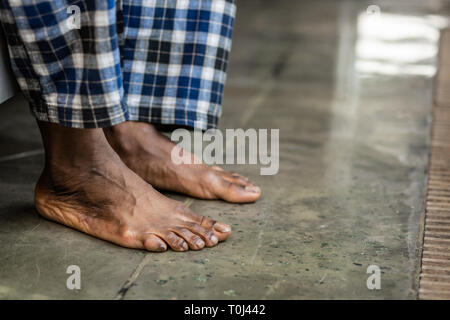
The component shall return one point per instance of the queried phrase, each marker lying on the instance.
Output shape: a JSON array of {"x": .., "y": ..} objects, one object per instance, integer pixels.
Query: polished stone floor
[{"x": 349, "y": 86}]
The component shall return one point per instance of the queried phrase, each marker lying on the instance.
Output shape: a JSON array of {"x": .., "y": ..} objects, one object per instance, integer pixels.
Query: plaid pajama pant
[{"x": 156, "y": 61}]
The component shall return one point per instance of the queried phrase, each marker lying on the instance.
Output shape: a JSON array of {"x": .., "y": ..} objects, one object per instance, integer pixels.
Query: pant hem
[
  {"x": 92, "y": 118},
  {"x": 80, "y": 118}
]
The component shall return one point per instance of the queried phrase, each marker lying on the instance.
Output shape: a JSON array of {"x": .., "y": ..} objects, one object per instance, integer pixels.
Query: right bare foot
[{"x": 86, "y": 186}]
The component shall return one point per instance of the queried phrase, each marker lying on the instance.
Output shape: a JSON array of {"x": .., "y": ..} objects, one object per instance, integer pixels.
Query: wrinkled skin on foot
[
  {"x": 148, "y": 153},
  {"x": 86, "y": 186}
]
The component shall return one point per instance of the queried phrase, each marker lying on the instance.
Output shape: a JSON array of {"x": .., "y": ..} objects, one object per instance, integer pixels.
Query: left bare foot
[{"x": 148, "y": 153}]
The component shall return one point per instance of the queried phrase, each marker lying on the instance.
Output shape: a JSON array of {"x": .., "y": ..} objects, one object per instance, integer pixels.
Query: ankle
[
  {"x": 73, "y": 148},
  {"x": 124, "y": 137}
]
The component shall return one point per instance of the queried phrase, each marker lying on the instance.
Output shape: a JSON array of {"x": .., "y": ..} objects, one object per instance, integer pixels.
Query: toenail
[
  {"x": 214, "y": 238},
  {"x": 199, "y": 242},
  {"x": 253, "y": 189},
  {"x": 184, "y": 245}
]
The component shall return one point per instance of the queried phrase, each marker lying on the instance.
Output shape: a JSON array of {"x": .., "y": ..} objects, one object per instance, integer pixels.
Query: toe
[
  {"x": 175, "y": 242},
  {"x": 208, "y": 236},
  {"x": 236, "y": 178},
  {"x": 193, "y": 240},
  {"x": 237, "y": 193},
  {"x": 220, "y": 229},
  {"x": 154, "y": 243},
  {"x": 241, "y": 179}
]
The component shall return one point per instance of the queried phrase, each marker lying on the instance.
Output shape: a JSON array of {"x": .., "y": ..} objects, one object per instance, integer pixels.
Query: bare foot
[
  {"x": 148, "y": 153},
  {"x": 86, "y": 186}
]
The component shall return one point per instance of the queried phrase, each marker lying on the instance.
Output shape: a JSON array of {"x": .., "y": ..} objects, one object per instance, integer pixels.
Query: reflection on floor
[{"x": 349, "y": 86}]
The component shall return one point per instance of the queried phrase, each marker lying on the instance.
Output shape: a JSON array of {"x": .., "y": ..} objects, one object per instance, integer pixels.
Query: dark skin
[
  {"x": 86, "y": 185},
  {"x": 148, "y": 153}
]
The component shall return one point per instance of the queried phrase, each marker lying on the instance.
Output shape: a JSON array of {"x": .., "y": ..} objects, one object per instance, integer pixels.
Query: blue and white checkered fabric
[{"x": 158, "y": 61}]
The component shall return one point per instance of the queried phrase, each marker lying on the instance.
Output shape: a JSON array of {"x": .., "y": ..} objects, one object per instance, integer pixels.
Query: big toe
[{"x": 154, "y": 243}]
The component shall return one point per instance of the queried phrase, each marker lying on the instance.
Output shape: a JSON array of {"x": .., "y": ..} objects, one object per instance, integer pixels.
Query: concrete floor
[{"x": 351, "y": 95}]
